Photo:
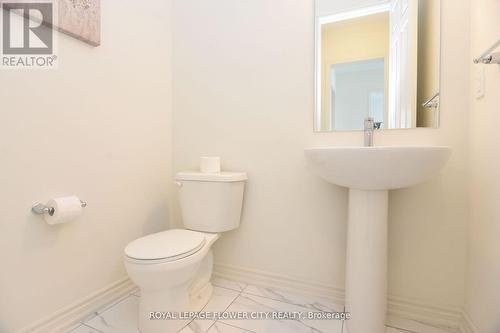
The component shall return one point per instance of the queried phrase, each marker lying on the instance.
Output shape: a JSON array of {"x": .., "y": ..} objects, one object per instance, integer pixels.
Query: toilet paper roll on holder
[{"x": 40, "y": 209}]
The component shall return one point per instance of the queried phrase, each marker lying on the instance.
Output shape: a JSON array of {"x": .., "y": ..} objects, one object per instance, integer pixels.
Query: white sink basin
[
  {"x": 369, "y": 173},
  {"x": 377, "y": 168}
]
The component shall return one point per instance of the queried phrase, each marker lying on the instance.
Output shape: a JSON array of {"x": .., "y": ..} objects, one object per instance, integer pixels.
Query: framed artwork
[{"x": 80, "y": 19}]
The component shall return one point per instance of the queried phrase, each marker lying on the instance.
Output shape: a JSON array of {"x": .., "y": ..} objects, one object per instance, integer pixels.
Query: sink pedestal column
[{"x": 366, "y": 266}]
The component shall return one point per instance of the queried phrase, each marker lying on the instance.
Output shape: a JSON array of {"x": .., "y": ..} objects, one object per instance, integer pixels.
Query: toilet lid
[{"x": 167, "y": 244}]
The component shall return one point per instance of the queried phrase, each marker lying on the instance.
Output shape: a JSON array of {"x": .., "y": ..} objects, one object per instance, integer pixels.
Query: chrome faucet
[{"x": 369, "y": 128}]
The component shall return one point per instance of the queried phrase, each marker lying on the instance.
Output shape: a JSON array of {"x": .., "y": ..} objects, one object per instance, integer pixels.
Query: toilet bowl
[{"x": 173, "y": 268}]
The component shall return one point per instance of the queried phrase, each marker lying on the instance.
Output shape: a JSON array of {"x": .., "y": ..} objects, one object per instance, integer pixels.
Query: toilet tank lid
[{"x": 212, "y": 177}]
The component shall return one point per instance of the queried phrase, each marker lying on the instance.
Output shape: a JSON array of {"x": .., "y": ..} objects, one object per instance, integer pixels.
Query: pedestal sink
[{"x": 369, "y": 173}]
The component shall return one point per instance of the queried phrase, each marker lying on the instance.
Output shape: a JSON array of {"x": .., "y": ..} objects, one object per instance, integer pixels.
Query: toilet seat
[{"x": 166, "y": 246}]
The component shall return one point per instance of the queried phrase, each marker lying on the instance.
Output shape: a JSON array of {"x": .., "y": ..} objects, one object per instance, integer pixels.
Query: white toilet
[{"x": 173, "y": 268}]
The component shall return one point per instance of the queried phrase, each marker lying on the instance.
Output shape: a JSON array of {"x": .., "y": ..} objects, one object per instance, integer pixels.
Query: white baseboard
[
  {"x": 66, "y": 318},
  {"x": 439, "y": 316},
  {"x": 446, "y": 317},
  {"x": 435, "y": 315},
  {"x": 279, "y": 282}
]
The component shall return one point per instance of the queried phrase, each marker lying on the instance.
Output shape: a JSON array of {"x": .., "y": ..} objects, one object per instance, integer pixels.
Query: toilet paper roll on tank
[{"x": 210, "y": 164}]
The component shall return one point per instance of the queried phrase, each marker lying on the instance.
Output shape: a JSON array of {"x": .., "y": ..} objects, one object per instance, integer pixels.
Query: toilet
[{"x": 173, "y": 268}]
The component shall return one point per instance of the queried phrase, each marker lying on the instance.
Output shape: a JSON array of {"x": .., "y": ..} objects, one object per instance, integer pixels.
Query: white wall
[
  {"x": 98, "y": 127},
  {"x": 244, "y": 90},
  {"x": 483, "y": 287}
]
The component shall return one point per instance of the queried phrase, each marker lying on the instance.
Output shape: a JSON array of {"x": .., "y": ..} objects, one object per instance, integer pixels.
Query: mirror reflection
[{"x": 380, "y": 60}]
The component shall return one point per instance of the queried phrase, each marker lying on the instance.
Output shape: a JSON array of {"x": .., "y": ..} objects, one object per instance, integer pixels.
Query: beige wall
[
  {"x": 97, "y": 127},
  {"x": 429, "y": 41},
  {"x": 358, "y": 39},
  {"x": 483, "y": 286},
  {"x": 245, "y": 91}
]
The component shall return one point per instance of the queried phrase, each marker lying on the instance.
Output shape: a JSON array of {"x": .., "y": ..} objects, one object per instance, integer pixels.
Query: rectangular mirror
[{"x": 379, "y": 60}]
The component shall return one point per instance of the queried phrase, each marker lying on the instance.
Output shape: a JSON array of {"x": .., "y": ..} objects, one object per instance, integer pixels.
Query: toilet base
[
  {"x": 198, "y": 301},
  {"x": 159, "y": 308},
  {"x": 156, "y": 308}
]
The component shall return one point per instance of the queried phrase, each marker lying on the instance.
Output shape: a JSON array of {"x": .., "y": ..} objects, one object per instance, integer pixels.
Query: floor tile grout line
[
  {"x": 209, "y": 327},
  {"x": 228, "y": 288},
  {"x": 192, "y": 320},
  {"x": 225, "y": 310},
  {"x": 283, "y": 301},
  {"x": 239, "y": 293},
  {"x": 99, "y": 313},
  {"x": 447, "y": 329},
  {"x": 106, "y": 309},
  {"x": 250, "y": 294},
  {"x": 241, "y": 328},
  {"x": 95, "y": 329},
  {"x": 111, "y": 306},
  {"x": 227, "y": 307},
  {"x": 280, "y": 300},
  {"x": 74, "y": 327},
  {"x": 401, "y": 329}
]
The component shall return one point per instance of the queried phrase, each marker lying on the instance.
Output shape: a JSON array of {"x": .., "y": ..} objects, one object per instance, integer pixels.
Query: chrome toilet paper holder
[{"x": 40, "y": 209}]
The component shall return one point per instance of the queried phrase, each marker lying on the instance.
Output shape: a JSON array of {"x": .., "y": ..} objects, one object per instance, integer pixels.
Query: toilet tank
[{"x": 211, "y": 202}]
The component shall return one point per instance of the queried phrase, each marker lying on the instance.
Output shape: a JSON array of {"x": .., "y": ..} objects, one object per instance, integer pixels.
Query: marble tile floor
[{"x": 230, "y": 296}]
